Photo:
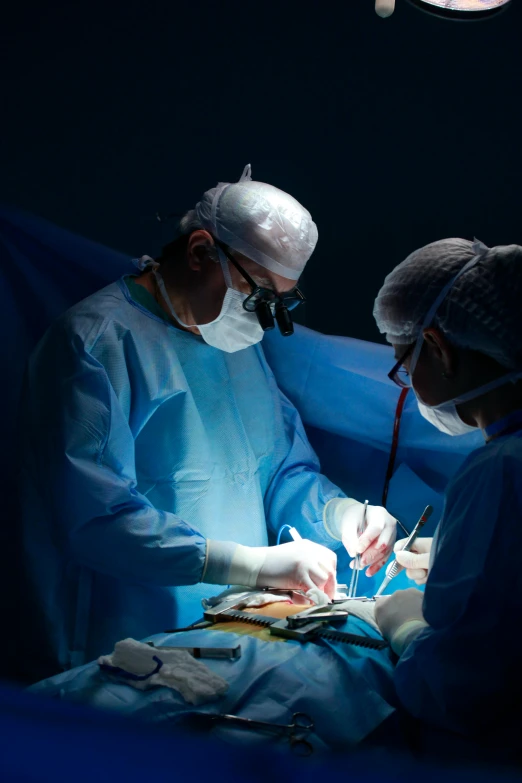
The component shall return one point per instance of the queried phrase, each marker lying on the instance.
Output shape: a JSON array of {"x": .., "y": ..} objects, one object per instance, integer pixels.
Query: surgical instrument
[
  {"x": 395, "y": 568},
  {"x": 313, "y": 630},
  {"x": 301, "y": 724},
  {"x": 295, "y": 534},
  {"x": 352, "y": 590},
  {"x": 329, "y": 613},
  {"x": 404, "y": 530},
  {"x": 230, "y": 653}
]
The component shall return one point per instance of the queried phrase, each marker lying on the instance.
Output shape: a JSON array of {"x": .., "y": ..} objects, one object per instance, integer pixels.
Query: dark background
[{"x": 393, "y": 133}]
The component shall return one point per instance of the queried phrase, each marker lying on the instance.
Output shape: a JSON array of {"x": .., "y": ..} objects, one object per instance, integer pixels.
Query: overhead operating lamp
[{"x": 466, "y": 10}]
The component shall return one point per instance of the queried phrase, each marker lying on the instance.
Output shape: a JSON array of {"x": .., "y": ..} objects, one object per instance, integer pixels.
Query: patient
[{"x": 273, "y": 679}]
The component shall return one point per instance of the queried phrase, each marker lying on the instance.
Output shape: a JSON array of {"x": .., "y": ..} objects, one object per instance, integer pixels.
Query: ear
[
  {"x": 200, "y": 247},
  {"x": 441, "y": 350}
]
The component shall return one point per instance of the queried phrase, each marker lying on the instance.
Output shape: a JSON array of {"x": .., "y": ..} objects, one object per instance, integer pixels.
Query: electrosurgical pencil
[{"x": 395, "y": 568}]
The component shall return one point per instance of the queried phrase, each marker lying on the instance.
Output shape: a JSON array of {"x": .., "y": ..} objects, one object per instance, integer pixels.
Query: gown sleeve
[
  {"x": 298, "y": 492},
  {"x": 79, "y": 450},
  {"x": 462, "y": 673}
]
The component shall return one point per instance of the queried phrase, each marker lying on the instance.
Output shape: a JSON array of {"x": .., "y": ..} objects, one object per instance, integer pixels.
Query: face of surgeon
[
  {"x": 195, "y": 281},
  {"x": 445, "y": 372}
]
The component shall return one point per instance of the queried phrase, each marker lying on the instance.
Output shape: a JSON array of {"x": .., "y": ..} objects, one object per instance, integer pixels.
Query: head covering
[
  {"x": 480, "y": 308},
  {"x": 258, "y": 220}
]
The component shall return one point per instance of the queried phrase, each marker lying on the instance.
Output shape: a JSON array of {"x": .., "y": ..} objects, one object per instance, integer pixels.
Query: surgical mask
[
  {"x": 445, "y": 416},
  {"x": 234, "y": 329}
]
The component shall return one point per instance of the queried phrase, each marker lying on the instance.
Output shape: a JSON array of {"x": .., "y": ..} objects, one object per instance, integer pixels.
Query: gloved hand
[
  {"x": 376, "y": 542},
  {"x": 417, "y": 560},
  {"x": 300, "y": 565},
  {"x": 399, "y": 617}
]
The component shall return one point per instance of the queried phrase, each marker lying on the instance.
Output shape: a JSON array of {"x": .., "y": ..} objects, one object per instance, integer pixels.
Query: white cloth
[
  {"x": 317, "y": 596},
  {"x": 179, "y": 671},
  {"x": 254, "y": 599},
  {"x": 257, "y": 600},
  {"x": 250, "y": 599}
]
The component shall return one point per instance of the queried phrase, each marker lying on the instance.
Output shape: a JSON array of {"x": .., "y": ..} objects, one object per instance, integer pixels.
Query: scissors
[{"x": 301, "y": 724}]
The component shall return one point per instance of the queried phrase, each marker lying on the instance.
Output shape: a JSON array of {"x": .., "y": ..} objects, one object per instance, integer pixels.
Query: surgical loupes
[{"x": 395, "y": 568}]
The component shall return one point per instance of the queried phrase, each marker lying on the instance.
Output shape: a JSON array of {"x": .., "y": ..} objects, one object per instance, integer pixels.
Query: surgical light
[
  {"x": 468, "y": 10},
  {"x": 462, "y": 9}
]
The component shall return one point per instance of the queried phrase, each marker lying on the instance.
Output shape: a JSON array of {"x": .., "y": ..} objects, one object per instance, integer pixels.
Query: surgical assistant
[
  {"x": 158, "y": 451},
  {"x": 452, "y": 311}
]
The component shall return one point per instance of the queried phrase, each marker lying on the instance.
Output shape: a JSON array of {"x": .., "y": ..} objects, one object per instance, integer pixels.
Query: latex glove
[
  {"x": 399, "y": 617},
  {"x": 298, "y": 565},
  {"x": 376, "y": 542},
  {"x": 417, "y": 560},
  {"x": 364, "y": 610},
  {"x": 301, "y": 565}
]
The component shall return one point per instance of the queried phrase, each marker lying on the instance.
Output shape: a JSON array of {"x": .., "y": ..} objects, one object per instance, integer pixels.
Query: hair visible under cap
[{"x": 177, "y": 248}]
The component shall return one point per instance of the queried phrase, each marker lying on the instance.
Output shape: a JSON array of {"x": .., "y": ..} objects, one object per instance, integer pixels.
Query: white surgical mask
[
  {"x": 446, "y": 417},
  {"x": 234, "y": 329}
]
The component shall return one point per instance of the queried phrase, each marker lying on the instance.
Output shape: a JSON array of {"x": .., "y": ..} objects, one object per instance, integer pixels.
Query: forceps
[
  {"x": 301, "y": 724},
  {"x": 352, "y": 590}
]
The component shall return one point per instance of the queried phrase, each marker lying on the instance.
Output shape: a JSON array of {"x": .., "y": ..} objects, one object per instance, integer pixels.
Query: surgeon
[
  {"x": 158, "y": 451},
  {"x": 452, "y": 311}
]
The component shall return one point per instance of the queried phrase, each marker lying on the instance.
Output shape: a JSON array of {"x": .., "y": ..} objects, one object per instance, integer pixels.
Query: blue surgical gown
[
  {"x": 139, "y": 442},
  {"x": 463, "y": 673}
]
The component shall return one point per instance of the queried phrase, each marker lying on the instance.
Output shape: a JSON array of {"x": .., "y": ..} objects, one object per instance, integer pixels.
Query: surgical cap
[
  {"x": 261, "y": 222},
  {"x": 481, "y": 311}
]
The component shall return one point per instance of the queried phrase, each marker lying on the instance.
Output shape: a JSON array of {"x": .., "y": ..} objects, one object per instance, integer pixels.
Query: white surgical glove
[
  {"x": 364, "y": 610},
  {"x": 417, "y": 560},
  {"x": 342, "y": 516},
  {"x": 399, "y": 617},
  {"x": 299, "y": 565}
]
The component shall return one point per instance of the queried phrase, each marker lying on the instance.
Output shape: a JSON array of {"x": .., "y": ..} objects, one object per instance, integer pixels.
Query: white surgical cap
[
  {"x": 260, "y": 221},
  {"x": 481, "y": 311}
]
